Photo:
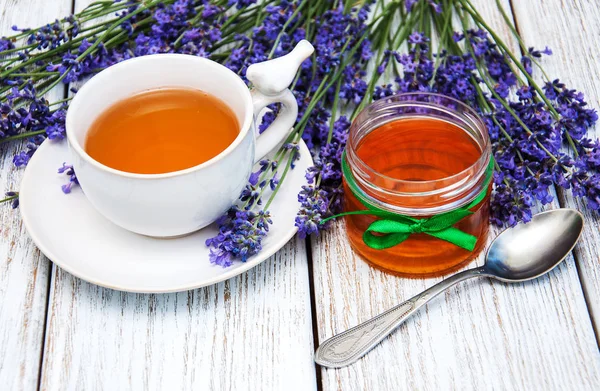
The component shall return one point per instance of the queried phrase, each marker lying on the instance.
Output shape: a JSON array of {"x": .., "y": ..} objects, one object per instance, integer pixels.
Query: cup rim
[{"x": 102, "y": 76}]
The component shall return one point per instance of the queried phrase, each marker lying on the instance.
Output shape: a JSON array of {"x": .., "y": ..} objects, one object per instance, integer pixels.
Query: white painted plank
[
  {"x": 572, "y": 30},
  {"x": 23, "y": 269},
  {"x": 480, "y": 335},
  {"x": 252, "y": 332}
]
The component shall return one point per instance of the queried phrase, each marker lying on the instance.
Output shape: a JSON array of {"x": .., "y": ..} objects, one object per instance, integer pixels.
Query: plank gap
[
  {"x": 515, "y": 21},
  {"x": 45, "y": 325},
  {"x": 313, "y": 308}
]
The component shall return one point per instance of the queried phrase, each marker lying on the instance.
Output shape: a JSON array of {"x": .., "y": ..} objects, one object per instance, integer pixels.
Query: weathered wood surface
[
  {"x": 23, "y": 269},
  {"x": 255, "y": 332},
  {"x": 572, "y": 30},
  {"x": 252, "y": 332},
  {"x": 480, "y": 335}
]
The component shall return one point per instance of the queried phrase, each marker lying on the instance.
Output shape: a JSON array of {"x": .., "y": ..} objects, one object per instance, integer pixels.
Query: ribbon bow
[{"x": 393, "y": 229}]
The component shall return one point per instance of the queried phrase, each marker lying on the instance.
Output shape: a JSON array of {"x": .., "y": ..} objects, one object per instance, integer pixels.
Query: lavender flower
[
  {"x": 6, "y": 44},
  {"x": 70, "y": 172},
  {"x": 312, "y": 211},
  {"x": 410, "y": 4},
  {"x": 22, "y": 158},
  {"x": 239, "y": 4},
  {"x": 511, "y": 204},
  {"x": 240, "y": 236},
  {"x": 13, "y": 197},
  {"x": 320, "y": 202}
]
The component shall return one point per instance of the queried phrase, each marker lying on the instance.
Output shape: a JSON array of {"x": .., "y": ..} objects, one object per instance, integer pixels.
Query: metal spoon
[{"x": 521, "y": 253}]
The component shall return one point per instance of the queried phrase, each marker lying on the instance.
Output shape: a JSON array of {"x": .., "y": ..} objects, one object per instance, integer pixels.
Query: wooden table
[{"x": 258, "y": 331}]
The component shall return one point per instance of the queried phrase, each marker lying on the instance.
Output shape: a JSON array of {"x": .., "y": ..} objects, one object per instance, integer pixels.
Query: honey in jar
[{"x": 417, "y": 156}]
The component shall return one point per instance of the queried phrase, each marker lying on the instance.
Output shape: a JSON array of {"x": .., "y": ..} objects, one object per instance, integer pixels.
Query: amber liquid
[
  {"x": 418, "y": 150},
  {"x": 162, "y": 130}
]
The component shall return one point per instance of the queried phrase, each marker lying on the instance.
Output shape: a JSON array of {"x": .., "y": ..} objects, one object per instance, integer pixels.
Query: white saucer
[{"x": 70, "y": 232}]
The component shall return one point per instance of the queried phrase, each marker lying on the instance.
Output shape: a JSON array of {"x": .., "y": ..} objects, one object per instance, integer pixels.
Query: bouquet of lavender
[{"x": 538, "y": 130}]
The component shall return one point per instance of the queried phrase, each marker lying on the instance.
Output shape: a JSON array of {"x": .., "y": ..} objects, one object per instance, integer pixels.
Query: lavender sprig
[{"x": 240, "y": 236}]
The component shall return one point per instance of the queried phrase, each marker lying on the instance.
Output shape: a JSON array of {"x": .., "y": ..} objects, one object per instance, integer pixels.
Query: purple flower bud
[{"x": 254, "y": 178}]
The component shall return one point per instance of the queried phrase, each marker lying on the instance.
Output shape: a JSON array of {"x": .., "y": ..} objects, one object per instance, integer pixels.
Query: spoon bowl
[
  {"x": 520, "y": 253},
  {"x": 529, "y": 250}
]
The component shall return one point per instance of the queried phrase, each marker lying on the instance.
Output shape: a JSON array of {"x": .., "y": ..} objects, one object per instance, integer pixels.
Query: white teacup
[{"x": 180, "y": 202}]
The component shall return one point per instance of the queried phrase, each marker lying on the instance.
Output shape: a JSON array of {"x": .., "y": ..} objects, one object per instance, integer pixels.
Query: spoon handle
[{"x": 347, "y": 347}]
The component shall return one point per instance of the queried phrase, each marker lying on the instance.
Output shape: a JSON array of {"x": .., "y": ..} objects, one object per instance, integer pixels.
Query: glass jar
[{"x": 417, "y": 156}]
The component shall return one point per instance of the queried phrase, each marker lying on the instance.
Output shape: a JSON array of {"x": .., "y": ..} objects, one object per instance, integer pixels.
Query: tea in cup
[
  {"x": 162, "y": 130},
  {"x": 164, "y": 144}
]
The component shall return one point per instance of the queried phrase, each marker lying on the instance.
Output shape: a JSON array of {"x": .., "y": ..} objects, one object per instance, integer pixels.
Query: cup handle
[{"x": 271, "y": 80}]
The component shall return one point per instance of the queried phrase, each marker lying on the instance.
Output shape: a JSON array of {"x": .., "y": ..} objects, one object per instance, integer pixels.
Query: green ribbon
[{"x": 393, "y": 229}]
